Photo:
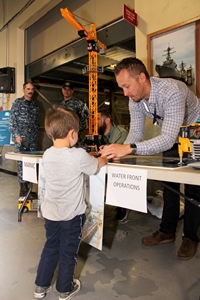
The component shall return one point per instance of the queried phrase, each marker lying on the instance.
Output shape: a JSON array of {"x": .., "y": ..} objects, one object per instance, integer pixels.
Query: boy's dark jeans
[{"x": 62, "y": 245}]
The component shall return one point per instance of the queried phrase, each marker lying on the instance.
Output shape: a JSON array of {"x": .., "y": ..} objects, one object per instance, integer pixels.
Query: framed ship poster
[{"x": 175, "y": 52}]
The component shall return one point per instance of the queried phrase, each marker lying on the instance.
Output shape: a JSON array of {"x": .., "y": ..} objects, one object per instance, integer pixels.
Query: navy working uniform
[
  {"x": 77, "y": 106},
  {"x": 24, "y": 122}
]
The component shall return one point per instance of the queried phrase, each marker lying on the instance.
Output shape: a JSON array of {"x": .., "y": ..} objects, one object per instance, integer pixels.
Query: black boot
[{"x": 23, "y": 189}]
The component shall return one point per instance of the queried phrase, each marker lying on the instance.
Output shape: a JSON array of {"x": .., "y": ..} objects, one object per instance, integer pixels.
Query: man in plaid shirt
[{"x": 170, "y": 104}]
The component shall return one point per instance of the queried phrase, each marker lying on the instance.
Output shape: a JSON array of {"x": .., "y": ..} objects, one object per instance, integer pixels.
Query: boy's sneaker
[
  {"x": 75, "y": 290},
  {"x": 40, "y": 292}
]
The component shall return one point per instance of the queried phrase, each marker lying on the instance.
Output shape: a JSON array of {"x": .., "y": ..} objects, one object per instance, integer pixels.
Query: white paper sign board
[
  {"x": 29, "y": 169},
  {"x": 127, "y": 187},
  {"x": 95, "y": 194}
]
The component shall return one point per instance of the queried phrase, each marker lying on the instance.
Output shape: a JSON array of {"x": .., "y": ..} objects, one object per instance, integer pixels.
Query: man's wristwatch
[{"x": 133, "y": 148}]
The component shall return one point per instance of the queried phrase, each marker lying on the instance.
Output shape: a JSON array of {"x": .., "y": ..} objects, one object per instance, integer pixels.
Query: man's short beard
[{"x": 102, "y": 129}]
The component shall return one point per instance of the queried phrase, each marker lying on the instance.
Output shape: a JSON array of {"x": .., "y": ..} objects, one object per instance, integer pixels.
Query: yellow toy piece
[{"x": 30, "y": 205}]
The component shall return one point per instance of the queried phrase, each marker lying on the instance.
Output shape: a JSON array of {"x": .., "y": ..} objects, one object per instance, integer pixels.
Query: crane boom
[
  {"x": 66, "y": 13},
  {"x": 94, "y": 46}
]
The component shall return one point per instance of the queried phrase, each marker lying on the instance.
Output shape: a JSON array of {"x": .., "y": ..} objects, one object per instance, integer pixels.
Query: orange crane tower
[{"x": 94, "y": 46}]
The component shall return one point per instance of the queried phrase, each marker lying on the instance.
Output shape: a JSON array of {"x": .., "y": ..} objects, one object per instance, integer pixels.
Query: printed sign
[
  {"x": 95, "y": 194},
  {"x": 29, "y": 169},
  {"x": 127, "y": 187},
  {"x": 130, "y": 15},
  {"x": 4, "y": 127}
]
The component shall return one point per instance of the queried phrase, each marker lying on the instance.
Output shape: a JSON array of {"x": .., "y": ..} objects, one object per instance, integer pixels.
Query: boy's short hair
[{"x": 59, "y": 121}]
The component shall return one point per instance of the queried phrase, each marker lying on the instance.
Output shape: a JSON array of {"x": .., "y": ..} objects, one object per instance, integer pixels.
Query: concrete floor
[{"x": 125, "y": 269}]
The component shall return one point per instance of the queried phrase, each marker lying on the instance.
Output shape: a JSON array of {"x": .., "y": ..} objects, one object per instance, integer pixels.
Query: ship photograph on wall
[{"x": 173, "y": 55}]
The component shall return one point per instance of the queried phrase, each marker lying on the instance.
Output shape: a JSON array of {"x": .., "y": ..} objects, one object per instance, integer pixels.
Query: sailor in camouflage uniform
[
  {"x": 77, "y": 106},
  {"x": 24, "y": 127}
]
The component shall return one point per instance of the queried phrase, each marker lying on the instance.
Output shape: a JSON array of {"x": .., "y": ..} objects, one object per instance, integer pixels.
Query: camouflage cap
[{"x": 68, "y": 85}]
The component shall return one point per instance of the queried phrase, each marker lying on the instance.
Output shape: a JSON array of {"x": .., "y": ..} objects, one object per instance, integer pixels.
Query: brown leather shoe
[
  {"x": 187, "y": 249},
  {"x": 158, "y": 237}
]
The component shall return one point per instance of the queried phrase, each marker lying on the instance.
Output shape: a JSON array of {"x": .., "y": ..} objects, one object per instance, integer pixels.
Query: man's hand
[{"x": 115, "y": 151}]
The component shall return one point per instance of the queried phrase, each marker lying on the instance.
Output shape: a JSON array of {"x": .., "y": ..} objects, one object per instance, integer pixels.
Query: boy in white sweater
[{"x": 64, "y": 205}]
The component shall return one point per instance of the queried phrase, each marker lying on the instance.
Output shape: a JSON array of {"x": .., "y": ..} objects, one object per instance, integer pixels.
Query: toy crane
[{"x": 94, "y": 46}]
